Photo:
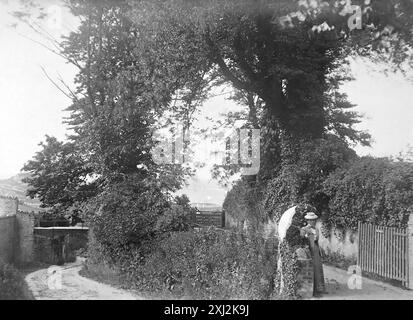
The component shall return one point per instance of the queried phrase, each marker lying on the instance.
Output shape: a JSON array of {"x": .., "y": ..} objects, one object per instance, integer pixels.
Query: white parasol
[{"x": 285, "y": 222}]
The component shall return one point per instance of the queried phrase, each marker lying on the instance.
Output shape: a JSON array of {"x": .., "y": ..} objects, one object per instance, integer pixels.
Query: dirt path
[
  {"x": 336, "y": 280},
  {"x": 76, "y": 287},
  {"x": 73, "y": 286}
]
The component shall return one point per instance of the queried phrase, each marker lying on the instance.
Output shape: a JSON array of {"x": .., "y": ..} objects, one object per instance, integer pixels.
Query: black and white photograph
[{"x": 206, "y": 154}]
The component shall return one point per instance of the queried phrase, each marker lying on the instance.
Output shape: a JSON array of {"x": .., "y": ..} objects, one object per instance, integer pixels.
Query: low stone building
[{"x": 22, "y": 243}]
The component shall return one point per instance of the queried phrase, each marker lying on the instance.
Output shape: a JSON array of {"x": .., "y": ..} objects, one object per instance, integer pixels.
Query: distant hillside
[
  {"x": 203, "y": 206},
  {"x": 14, "y": 187}
]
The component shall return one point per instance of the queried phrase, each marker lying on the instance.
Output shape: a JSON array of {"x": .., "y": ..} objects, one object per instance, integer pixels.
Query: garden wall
[
  {"x": 21, "y": 243},
  {"x": 7, "y": 238},
  {"x": 8, "y": 211},
  {"x": 344, "y": 245},
  {"x": 57, "y": 245},
  {"x": 230, "y": 222},
  {"x": 24, "y": 238},
  {"x": 339, "y": 244},
  {"x": 267, "y": 230},
  {"x": 16, "y": 233}
]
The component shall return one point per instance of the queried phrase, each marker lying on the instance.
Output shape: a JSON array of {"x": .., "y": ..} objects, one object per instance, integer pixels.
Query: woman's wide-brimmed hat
[{"x": 310, "y": 216}]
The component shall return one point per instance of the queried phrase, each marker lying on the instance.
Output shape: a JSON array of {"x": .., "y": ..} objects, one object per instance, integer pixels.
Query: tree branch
[
  {"x": 54, "y": 83},
  {"x": 214, "y": 50}
]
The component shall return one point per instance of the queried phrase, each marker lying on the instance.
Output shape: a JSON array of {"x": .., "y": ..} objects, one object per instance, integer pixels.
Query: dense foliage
[
  {"x": 121, "y": 93},
  {"x": 204, "y": 264},
  {"x": 138, "y": 60},
  {"x": 134, "y": 211},
  {"x": 343, "y": 189},
  {"x": 299, "y": 179},
  {"x": 179, "y": 217},
  {"x": 147, "y": 64},
  {"x": 60, "y": 177},
  {"x": 12, "y": 284},
  {"x": 371, "y": 190}
]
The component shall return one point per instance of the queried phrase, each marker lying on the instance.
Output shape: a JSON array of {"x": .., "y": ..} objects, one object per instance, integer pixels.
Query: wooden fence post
[
  {"x": 410, "y": 252},
  {"x": 223, "y": 224}
]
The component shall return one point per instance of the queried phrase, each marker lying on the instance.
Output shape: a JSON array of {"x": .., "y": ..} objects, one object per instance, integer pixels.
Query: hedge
[
  {"x": 301, "y": 176},
  {"x": 378, "y": 191},
  {"x": 203, "y": 264},
  {"x": 342, "y": 188},
  {"x": 297, "y": 179},
  {"x": 12, "y": 284}
]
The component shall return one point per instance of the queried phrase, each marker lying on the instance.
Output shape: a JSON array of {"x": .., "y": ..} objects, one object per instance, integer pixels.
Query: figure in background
[{"x": 312, "y": 234}]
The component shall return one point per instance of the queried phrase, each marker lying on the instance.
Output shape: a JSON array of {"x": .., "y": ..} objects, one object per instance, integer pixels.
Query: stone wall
[
  {"x": 25, "y": 241},
  {"x": 52, "y": 250},
  {"x": 342, "y": 244},
  {"x": 21, "y": 243},
  {"x": 16, "y": 233},
  {"x": 57, "y": 245},
  {"x": 232, "y": 223},
  {"x": 8, "y": 211},
  {"x": 43, "y": 250},
  {"x": 267, "y": 229},
  {"x": 7, "y": 238}
]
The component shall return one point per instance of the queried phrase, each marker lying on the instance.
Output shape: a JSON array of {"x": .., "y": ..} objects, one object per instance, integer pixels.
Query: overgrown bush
[
  {"x": 303, "y": 172},
  {"x": 179, "y": 217},
  {"x": 204, "y": 264},
  {"x": 12, "y": 284},
  {"x": 286, "y": 281},
  {"x": 134, "y": 211},
  {"x": 175, "y": 218},
  {"x": 126, "y": 213},
  {"x": 210, "y": 264},
  {"x": 378, "y": 191}
]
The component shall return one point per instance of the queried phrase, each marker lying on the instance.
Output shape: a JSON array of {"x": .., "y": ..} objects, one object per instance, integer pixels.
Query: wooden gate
[
  {"x": 210, "y": 218},
  {"x": 383, "y": 251}
]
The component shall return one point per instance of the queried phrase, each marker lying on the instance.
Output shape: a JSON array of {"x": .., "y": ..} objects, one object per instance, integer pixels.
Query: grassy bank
[
  {"x": 189, "y": 265},
  {"x": 12, "y": 284}
]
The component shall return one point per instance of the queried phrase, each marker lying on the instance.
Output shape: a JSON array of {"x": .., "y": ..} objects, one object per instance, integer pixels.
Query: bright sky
[
  {"x": 31, "y": 107},
  {"x": 387, "y": 105}
]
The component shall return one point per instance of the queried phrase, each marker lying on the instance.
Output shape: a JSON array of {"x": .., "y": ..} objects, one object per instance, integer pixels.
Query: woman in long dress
[{"x": 312, "y": 234}]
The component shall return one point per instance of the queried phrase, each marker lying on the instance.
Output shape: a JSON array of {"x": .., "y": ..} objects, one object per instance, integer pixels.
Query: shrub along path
[
  {"x": 74, "y": 286},
  {"x": 336, "y": 281}
]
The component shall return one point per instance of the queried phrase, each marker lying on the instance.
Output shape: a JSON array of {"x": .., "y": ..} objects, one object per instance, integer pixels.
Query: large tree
[
  {"x": 121, "y": 92},
  {"x": 60, "y": 177},
  {"x": 285, "y": 60},
  {"x": 284, "y": 52},
  {"x": 141, "y": 60}
]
